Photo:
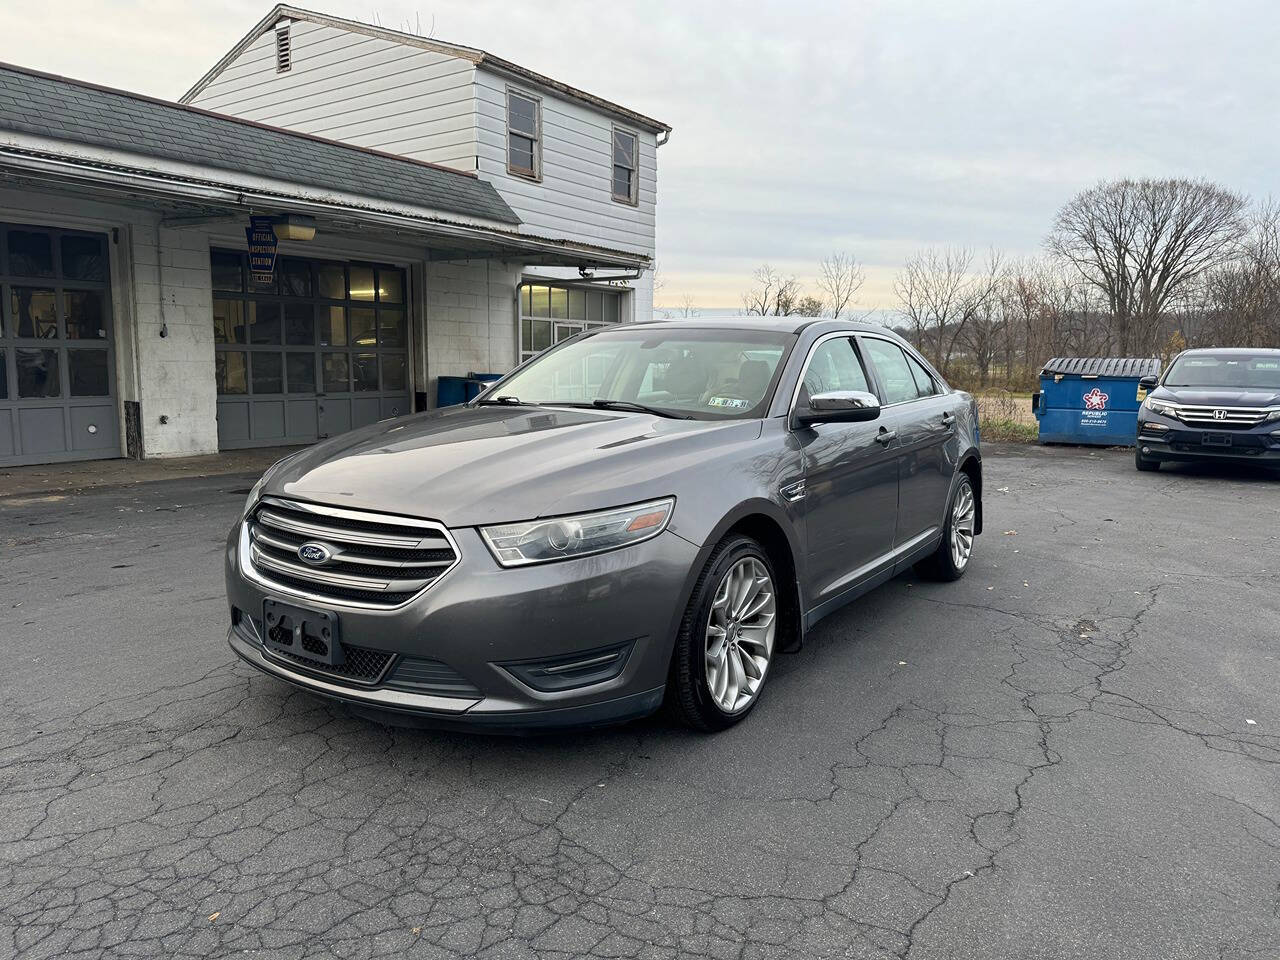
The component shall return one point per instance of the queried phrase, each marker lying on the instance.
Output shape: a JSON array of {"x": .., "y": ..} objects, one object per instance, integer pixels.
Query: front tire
[
  {"x": 951, "y": 559},
  {"x": 726, "y": 640},
  {"x": 1142, "y": 463}
]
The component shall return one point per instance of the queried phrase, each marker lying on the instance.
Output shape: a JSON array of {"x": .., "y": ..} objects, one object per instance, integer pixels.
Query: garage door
[
  {"x": 320, "y": 350},
  {"x": 57, "y": 368}
]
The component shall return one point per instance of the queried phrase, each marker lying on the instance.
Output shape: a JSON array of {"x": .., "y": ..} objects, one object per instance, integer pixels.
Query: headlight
[
  {"x": 561, "y": 538},
  {"x": 1272, "y": 415},
  {"x": 1161, "y": 407}
]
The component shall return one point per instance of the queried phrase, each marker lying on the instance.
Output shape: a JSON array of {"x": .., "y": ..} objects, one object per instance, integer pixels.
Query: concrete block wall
[
  {"x": 470, "y": 314},
  {"x": 173, "y": 295}
]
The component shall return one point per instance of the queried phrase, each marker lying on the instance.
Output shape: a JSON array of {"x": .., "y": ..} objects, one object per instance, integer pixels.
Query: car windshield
[
  {"x": 705, "y": 374},
  {"x": 1237, "y": 371}
]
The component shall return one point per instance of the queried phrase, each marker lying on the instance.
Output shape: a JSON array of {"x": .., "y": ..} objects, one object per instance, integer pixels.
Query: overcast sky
[{"x": 802, "y": 127}]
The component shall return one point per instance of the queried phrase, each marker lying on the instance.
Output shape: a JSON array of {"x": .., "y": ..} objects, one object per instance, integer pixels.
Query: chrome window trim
[
  {"x": 255, "y": 576},
  {"x": 910, "y": 351}
]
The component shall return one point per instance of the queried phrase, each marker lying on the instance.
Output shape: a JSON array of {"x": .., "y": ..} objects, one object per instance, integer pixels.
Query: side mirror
[
  {"x": 1149, "y": 383},
  {"x": 839, "y": 406}
]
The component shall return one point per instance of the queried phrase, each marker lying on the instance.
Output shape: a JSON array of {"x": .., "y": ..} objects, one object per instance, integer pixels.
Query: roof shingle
[{"x": 45, "y": 105}]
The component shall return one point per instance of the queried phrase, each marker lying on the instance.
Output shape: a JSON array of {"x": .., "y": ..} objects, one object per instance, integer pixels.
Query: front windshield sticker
[{"x": 734, "y": 403}]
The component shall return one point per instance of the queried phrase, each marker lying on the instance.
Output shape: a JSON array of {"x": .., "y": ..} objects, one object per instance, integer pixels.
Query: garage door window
[{"x": 550, "y": 314}]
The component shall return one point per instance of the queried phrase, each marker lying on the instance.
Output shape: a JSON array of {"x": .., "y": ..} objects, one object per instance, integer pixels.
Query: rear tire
[
  {"x": 726, "y": 641},
  {"x": 954, "y": 553},
  {"x": 1142, "y": 463}
]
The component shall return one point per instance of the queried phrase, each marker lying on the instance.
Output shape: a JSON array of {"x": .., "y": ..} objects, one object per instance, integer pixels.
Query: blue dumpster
[
  {"x": 1092, "y": 400},
  {"x": 451, "y": 391},
  {"x": 477, "y": 382}
]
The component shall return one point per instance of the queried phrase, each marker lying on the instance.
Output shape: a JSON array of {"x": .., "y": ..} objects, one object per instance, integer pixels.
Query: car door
[
  {"x": 851, "y": 479},
  {"x": 920, "y": 414}
]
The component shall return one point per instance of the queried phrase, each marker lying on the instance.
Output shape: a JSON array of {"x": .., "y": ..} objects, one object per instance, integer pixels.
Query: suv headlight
[
  {"x": 1161, "y": 407},
  {"x": 563, "y": 538},
  {"x": 1272, "y": 415}
]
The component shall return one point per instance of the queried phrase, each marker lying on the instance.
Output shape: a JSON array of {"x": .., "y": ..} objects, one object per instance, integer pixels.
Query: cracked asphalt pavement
[{"x": 1072, "y": 752}]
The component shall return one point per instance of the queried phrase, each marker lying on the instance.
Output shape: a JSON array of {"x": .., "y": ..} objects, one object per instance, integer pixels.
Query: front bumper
[
  {"x": 488, "y": 630},
  {"x": 1180, "y": 443}
]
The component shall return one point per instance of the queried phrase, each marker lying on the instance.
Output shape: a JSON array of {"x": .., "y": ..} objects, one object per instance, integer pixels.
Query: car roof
[
  {"x": 777, "y": 324},
  {"x": 1232, "y": 351}
]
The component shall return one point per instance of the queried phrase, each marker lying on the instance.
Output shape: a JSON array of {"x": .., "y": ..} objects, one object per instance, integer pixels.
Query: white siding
[
  {"x": 358, "y": 89},
  {"x": 574, "y": 198}
]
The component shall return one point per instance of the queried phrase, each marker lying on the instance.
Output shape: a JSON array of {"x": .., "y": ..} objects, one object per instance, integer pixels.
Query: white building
[{"x": 467, "y": 213}]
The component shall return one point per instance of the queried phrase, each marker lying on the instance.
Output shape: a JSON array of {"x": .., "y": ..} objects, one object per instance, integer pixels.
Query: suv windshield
[
  {"x": 705, "y": 374},
  {"x": 1237, "y": 371}
]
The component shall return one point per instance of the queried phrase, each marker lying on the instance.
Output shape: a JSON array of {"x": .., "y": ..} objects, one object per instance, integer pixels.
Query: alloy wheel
[
  {"x": 962, "y": 516},
  {"x": 739, "y": 635}
]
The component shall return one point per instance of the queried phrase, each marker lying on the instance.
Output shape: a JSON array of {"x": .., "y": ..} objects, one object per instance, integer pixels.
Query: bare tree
[
  {"x": 1142, "y": 243},
  {"x": 840, "y": 278},
  {"x": 686, "y": 309},
  {"x": 772, "y": 295},
  {"x": 940, "y": 298}
]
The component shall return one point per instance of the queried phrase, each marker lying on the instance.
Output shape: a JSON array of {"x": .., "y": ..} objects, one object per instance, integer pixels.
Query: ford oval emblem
[{"x": 314, "y": 553}]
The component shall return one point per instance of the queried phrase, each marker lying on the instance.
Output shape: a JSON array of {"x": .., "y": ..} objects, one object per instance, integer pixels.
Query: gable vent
[{"x": 284, "y": 49}]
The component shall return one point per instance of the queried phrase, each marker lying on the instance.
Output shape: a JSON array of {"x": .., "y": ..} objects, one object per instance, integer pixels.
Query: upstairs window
[
  {"x": 624, "y": 166},
  {"x": 284, "y": 49},
  {"x": 524, "y": 135}
]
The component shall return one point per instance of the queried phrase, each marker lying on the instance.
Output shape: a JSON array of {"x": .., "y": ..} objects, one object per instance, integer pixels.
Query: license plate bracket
[
  {"x": 1216, "y": 439},
  {"x": 302, "y": 632}
]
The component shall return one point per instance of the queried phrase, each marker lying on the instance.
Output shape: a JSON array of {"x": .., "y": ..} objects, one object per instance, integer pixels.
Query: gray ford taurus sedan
[{"x": 647, "y": 512}]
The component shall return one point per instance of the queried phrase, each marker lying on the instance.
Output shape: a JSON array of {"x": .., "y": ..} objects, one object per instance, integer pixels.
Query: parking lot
[{"x": 1072, "y": 752}]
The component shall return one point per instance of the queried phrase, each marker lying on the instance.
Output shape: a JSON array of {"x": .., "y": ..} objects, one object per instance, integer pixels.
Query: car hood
[
  {"x": 1217, "y": 396},
  {"x": 467, "y": 466}
]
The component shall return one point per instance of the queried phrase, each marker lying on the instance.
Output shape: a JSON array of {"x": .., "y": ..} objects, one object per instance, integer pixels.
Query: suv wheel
[
  {"x": 726, "y": 640},
  {"x": 1142, "y": 463},
  {"x": 951, "y": 559}
]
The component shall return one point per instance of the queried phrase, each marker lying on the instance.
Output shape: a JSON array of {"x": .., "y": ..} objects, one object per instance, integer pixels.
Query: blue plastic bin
[{"x": 1092, "y": 400}]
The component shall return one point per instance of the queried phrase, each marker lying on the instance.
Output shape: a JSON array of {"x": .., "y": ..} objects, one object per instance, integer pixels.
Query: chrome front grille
[
  {"x": 1229, "y": 418},
  {"x": 369, "y": 559}
]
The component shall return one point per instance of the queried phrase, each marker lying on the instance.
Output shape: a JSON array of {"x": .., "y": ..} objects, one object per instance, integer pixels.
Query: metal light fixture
[{"x": 293, "y": 226}]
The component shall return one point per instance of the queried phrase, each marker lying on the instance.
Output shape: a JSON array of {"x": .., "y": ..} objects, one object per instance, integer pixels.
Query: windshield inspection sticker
[{"x": 732, "y": 402}]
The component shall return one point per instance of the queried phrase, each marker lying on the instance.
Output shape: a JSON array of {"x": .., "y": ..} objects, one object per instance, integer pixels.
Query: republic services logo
[{"x": 1095, "y": 399}]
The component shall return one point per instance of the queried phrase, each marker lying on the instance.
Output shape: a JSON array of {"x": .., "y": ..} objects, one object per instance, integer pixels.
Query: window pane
[
  {"x": 622, "y": 183},
  {"x": 229, "y": 371},
  {"x": 34, "y": 312},
  {"x": 520, "y": 153},
  {"x": 362, "y": 283},
  {"x": 364, "y": 330},
  {"x": 541, "y": 302},
  {"x": 577, "y": 304},
  {"x": 612, "y": 307},
  {"x": 541, "y": 334},
  {"x": 88, "y": 372},
  {"x": 227, "y": 274},
  {"x": 30, "y": 254},
  {"x": 522, "y": 115},
  {"x": 390, "y": 286},
  {"x": 228, "y": 321},
  {"x": 272, "y": 286},
  {"x": 268, "y": 376},
  {"x": 624, "y": 149},
  {"x": 526, "y": 301},
  {"x": 336, "y": 379},
  {"x": 891, "y": 366},
  {"x": 333, "y": 327},
  {"x": 332, "y": 281},
  {"x": 526, "y": 336},
  {"x": 85, "y": 314},
  {"x": 834, "y": 366},
  {"x": 299, "y": 324},
  {"x": 83, "y": 259},
  {"x": 295, "y": 278},
  {"x": 364, "y": 372},
  {"x": 560, "y": 303},
  {"x": 264, "y": 322},
  {"x": 393, "y": 372},
  {"x": 924, "y": 383},
  {"x": 302, "y": 372},
  {"x": 38, "y": 373},
  {"x": 593, "y": 306},
  {"x": 4, "y": 377},
  {"x": 391, "y": 328}
]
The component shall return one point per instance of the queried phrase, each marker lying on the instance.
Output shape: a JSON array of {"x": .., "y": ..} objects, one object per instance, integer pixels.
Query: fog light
[{"x": 1146, "y": 449}]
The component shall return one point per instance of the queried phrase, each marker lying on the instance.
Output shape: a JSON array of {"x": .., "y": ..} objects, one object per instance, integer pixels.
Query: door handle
[
  {"x": 886, "y": 436},
  {"x": 948, "y": 419}
]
